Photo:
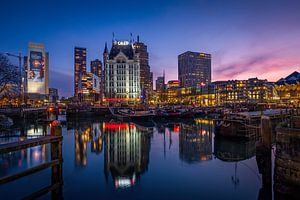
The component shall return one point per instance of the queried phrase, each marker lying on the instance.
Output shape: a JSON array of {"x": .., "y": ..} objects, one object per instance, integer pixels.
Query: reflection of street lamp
[
  {"x": 201, "y": 85},
  {"x": 19, "y": 56}
]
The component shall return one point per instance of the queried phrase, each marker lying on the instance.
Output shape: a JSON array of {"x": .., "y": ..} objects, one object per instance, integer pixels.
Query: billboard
[{"x": 36, "y": 67}]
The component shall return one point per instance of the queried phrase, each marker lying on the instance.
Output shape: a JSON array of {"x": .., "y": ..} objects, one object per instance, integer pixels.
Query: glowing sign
[
  {"x": 122, "y": 43},
  {"x": 37, "y": 67}
]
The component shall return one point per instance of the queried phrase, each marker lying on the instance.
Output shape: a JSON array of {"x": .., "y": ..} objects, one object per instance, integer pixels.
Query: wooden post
[
  {"x": 56, "y": 153},
  {"x": 263, "y": 159},
  {"x": 266, "y": 130}
]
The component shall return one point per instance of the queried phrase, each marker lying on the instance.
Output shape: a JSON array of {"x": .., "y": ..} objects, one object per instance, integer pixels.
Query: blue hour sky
[{"x": 247, "y": 38}]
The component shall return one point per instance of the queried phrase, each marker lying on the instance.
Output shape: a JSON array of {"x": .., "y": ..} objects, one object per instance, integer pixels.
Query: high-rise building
[
  {"x": 79, "y": 66},
  {"x": 122, "y": 73},
  {"x": 89, "y": 88},
  {"x": 151, "y": 81},
  {"x": 194, "y": 69},
  {"x": 160, "y": 84},
  {"x": 145, "y": 82},
  {"x": 53, "y": 95},
  {"x": 37, "y": 72},
  {"x": 96, "y": 67}
]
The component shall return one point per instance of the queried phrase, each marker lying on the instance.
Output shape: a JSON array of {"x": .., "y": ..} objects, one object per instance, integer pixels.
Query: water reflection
[
  {"x": 116, "y": 155},
  {"x": 126, "y": 153},
  {"x": 233, "y": 150},
  {"x": 195, "y": 141},
  {"x": 87, "y": 133},
  {"x": 18, "y": 160}
]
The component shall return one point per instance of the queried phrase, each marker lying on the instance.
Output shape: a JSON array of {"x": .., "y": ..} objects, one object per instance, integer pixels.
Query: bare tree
[{"x": 9, "y": 78}]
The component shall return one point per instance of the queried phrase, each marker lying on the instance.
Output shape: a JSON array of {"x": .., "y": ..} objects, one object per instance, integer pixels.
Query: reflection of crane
[{"x": 235, "y": 180}]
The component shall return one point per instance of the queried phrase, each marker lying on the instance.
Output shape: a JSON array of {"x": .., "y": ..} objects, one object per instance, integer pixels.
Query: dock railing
[{"x": 55, "y": 139}]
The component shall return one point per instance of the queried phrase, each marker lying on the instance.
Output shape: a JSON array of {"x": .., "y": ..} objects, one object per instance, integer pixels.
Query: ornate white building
[{"x": 122, "y": 73}]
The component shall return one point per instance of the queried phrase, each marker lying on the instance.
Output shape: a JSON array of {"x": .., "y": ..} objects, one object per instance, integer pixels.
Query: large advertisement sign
[{"x": 36, "y": 67}]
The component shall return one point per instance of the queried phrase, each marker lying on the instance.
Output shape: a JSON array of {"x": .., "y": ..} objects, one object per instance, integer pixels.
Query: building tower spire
[{"x": 105, "y": 48}]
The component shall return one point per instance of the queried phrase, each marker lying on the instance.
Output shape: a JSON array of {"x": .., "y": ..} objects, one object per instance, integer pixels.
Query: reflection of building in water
[
  {"x": 91, "y": 134},
  {"x": 195, "y": 141},
  {"x": 97, "y": 139},
  {"x": 287, "y": 164},
  {"x": 232, "y": 150},
  {"x": 126, "y": 153}
]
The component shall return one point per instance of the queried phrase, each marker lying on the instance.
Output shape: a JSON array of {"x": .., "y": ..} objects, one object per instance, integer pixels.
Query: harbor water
[{"x": 179, "y": 159}]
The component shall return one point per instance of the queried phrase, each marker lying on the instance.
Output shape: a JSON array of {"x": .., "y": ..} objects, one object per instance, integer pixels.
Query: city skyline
[{"x": 245, "y": 39}]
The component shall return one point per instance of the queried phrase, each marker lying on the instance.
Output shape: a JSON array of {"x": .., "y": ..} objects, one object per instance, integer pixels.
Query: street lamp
[{"x": 19, "y": 56}]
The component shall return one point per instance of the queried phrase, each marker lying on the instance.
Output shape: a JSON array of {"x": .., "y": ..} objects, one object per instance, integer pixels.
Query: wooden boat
[{"x": 246, "y": 124}]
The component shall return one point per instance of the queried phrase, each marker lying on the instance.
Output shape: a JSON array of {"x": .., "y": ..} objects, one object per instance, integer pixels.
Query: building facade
[
  {"x": 194, "y": 69},
  {"x": 288, "y": 89},
  {"x": 122, "y": 73},
  {"x": 160, "y": 84},
  {"x": 37, "y": 74},
  {"x": 145, "y": 82},
  {"x": 251, "y": 91},
  {"x": 53, "y": 95},
  {"x": 151, "y": 81},
  {"x": 96, "y": 67},
  {"x": 79, "y": 66},
  {"x": 89, "y": 88}
]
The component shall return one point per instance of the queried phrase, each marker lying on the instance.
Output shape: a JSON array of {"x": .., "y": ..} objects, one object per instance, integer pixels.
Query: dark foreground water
[{"x": 112, "y": 160}]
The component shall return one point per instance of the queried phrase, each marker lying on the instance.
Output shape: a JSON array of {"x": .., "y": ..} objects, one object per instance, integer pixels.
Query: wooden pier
[{"x": 55, "y": 163}]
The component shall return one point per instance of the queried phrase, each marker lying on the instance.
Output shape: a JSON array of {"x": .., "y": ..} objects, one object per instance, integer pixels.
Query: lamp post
[{"x": 19, "y": 56}]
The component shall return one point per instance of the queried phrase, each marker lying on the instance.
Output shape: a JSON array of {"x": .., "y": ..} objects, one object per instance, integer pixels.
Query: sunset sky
[{"x": 247, "y": 38}]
